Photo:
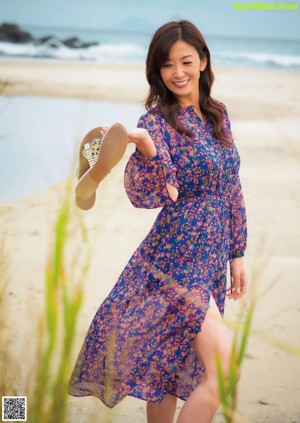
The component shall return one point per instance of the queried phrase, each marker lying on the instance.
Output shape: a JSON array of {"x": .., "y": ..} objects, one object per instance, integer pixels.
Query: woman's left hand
[{"x": 239, "y": 281}]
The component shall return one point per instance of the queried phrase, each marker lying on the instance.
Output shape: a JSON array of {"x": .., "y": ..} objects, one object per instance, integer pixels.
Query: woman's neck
[{"x": 191, "y": 101}]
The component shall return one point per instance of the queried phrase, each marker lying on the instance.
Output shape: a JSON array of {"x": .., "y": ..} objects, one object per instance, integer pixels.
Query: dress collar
[{"x": 191, "y": 110}]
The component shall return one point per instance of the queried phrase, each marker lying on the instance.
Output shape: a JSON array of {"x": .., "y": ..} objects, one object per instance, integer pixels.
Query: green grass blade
[
  {"x": 223, "y": 390},
  {"x": 245, "y": 333}
]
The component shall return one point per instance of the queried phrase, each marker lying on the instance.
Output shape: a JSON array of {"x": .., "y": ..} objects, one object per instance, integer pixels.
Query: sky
[{"x": 213, "y": 17}]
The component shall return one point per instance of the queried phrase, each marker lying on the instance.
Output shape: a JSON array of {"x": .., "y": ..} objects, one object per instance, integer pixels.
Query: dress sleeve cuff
[
  {"x": 148, "y": 159},
  {"x": 169, "y": 173},
  {"x": 236, "y": 255}
]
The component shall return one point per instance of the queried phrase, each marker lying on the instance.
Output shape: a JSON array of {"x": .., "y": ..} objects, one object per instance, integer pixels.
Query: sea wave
[
  {"x": 259, "y": 59},
  {"x": 55, "y": 49}
]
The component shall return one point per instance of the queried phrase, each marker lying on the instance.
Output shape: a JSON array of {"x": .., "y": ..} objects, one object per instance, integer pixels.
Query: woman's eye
[
  {"x": 167, "y": 65},
  {"x": 187, "y": 63}
]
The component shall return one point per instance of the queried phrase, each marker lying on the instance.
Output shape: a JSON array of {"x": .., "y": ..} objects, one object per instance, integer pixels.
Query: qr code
[{"x": 14, "y": 409}]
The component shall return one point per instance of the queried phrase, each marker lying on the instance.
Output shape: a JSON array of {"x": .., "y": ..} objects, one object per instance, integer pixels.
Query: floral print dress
[{"x": 139, "y": 342}]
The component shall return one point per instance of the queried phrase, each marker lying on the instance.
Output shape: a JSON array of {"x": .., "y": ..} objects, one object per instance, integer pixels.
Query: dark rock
[
  {"x": 46, "y": 39},
  {"x": 49, "y": 41},
  {"x": 11, "y": 33},
  {"x": 74, "y": 42}
]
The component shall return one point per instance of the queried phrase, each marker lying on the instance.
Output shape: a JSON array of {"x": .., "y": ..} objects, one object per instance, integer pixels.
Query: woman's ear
[{"x": 203, "y": 64}]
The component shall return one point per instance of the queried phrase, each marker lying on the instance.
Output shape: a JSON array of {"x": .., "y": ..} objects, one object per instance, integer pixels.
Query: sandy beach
[{"x": 264, "y": 108}]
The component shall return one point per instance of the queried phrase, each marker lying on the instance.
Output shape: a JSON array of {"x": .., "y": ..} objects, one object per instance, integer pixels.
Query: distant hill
[{"x": 136, "y": 24}]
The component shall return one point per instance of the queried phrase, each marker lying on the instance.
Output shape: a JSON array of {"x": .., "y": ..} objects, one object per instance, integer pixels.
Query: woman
[{"x": 156, "y": 335}]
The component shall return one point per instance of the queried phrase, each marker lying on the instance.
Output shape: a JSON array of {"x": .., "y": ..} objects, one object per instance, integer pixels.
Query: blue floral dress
[{"x": 139, "y": 342}]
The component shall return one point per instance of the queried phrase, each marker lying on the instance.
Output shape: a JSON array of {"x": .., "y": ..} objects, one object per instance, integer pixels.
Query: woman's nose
[{"x": 178, "y": 72}]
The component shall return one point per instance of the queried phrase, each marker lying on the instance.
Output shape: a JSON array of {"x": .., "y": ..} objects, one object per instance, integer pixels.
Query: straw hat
[{"x": 97, "y": 157}]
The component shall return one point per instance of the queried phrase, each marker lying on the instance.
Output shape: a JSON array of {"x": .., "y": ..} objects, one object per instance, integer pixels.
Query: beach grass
[
  {"x": 47, "y": 385},
  {"x": 228, "y": 383},
  {"x": 57, "y": 326},
  {"x": 242, "y": 327}
]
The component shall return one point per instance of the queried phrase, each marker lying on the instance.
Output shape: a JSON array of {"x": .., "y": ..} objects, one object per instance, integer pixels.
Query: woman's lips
[{"x": 181, "y": 84}]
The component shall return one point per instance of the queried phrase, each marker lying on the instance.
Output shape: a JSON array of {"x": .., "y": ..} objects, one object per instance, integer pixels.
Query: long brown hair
[{"x": 160, "y": 99}]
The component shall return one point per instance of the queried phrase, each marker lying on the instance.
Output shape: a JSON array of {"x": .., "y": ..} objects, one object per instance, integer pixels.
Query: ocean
[{"x": 131, "y": 47}]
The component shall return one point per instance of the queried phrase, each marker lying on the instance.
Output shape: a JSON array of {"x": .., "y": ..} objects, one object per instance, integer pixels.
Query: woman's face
[{"x": 181, "y": 72}]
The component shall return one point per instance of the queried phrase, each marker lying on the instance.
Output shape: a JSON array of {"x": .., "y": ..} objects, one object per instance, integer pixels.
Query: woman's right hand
[
  {"x": 103, "y": 130},
  {"x": 138, "y": 136},
  {"x": 141, "y": 138}
]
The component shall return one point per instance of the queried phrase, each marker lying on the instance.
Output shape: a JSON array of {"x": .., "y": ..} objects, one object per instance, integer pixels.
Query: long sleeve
[
  {"x": 238, "y": 217},
  {"x": 146, "y": 178}
]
